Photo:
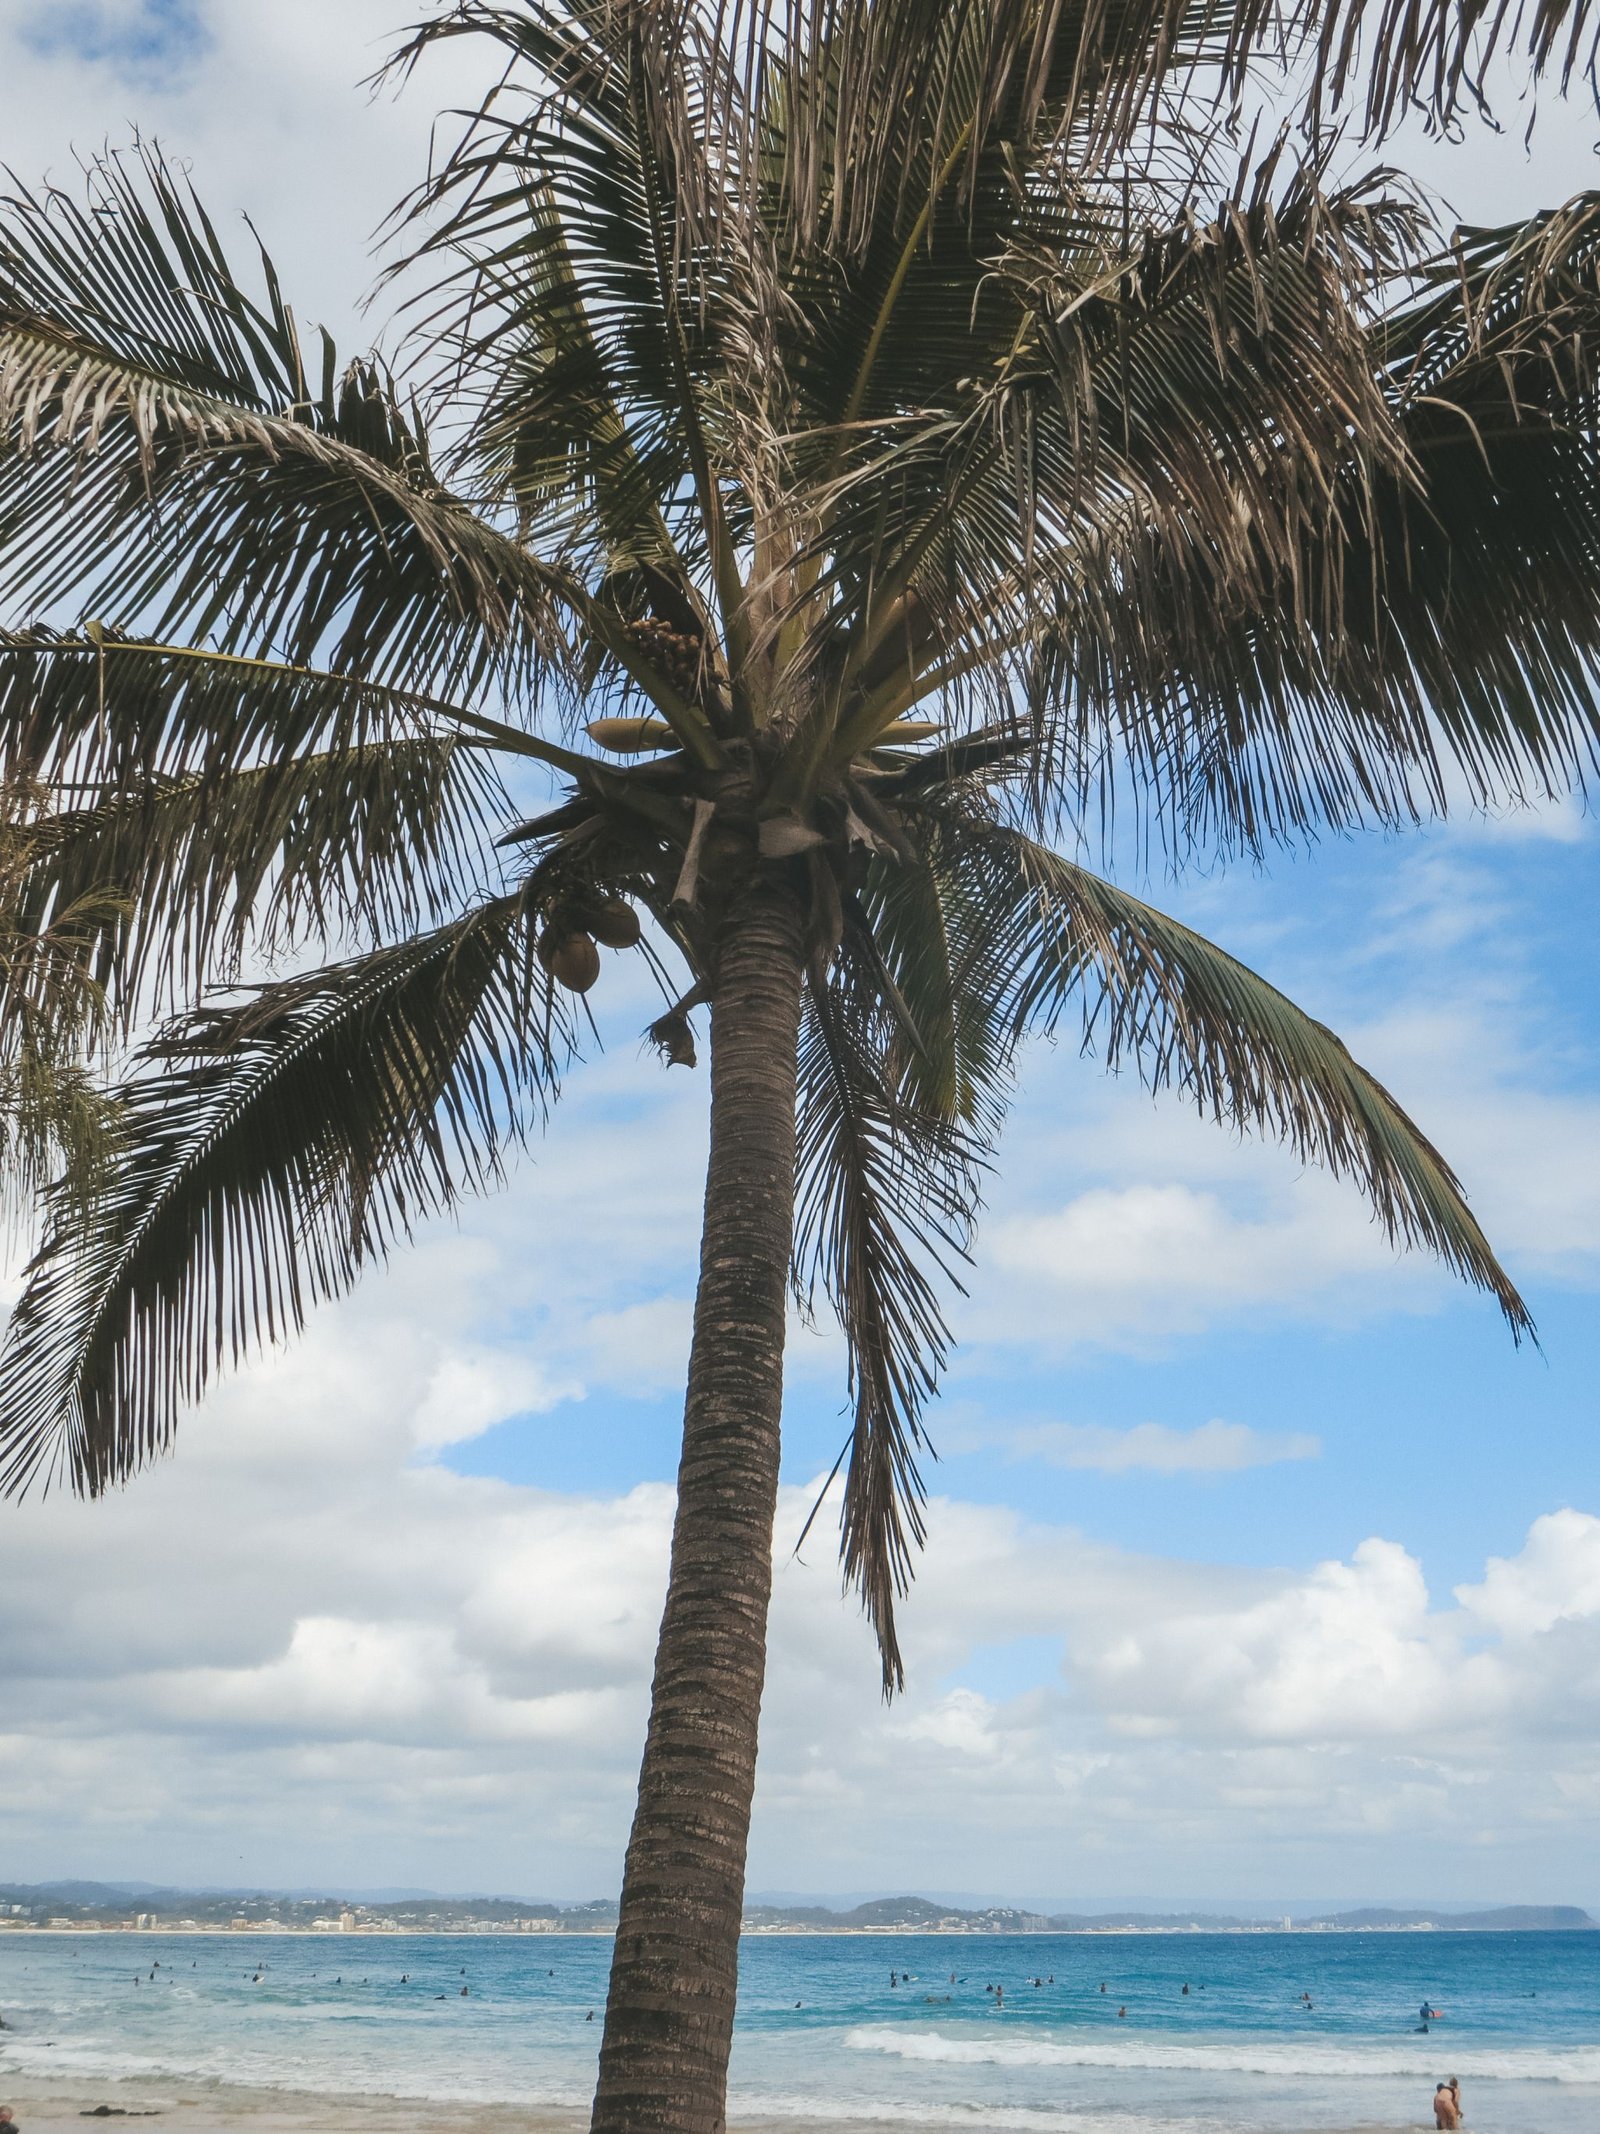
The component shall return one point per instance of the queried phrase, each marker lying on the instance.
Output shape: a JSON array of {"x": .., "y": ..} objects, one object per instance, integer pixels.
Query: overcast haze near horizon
[{"x": 1259, "y": 1561}]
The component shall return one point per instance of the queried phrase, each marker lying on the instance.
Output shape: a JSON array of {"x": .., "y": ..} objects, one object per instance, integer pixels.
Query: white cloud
[
  {"x": 1355, "y": 1651},
  {"x": 1131, "y": 1266},
  {"x": 1155, "y": 1448},
  {"x": 295, "y": 1649},
  {"x": 1348, "y": 1652},
  {"x": 469, "y": 1392},
  {"x": 1554, "y": 1579},
  {"x": 303, "y": 149},
  {"x": 644, "y": 1348}
]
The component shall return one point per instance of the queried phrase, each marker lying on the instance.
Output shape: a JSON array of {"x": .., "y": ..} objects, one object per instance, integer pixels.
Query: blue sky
[
  {"x": 141, "y": 42},
  {"x": 1432, "y": 1421},
  {"x": 1262, "y": 1562}
]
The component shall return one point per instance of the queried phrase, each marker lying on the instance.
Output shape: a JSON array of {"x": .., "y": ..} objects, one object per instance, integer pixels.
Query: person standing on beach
[{"x": 1445, "y": 2112}]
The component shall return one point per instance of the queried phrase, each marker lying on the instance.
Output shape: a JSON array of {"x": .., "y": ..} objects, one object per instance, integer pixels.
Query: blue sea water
[{"x": 823, "y": 2036}]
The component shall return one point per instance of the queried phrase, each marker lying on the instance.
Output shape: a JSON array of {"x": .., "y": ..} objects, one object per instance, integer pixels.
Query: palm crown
[{"x": 857, "y": 420}]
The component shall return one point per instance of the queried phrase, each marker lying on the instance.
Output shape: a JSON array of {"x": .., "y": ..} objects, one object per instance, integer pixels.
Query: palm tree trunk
[{"x": 669, "y": 2015}]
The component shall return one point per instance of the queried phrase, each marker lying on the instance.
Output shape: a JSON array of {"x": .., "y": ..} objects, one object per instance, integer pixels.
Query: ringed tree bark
[{"x": 674, "y": 1976}]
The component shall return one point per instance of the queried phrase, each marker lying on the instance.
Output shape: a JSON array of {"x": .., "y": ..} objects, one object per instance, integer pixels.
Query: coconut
[
  {"x": 615, "y": 923},
  {"x": 576, "y": 963}
]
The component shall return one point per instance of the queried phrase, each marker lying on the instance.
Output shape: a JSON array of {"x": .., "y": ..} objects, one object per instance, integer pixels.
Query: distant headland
[{"x": 139, "y": 1907}]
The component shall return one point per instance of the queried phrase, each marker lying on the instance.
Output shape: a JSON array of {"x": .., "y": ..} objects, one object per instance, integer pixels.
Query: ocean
[{"x": 824, "y": 2036}]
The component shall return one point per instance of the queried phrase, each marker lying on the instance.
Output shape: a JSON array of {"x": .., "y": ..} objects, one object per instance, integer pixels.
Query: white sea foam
[
  {"x": 260, "y": 2071},
  {"x": 952, "y": 2112},
  {"x": 1317, "y": 2058}
]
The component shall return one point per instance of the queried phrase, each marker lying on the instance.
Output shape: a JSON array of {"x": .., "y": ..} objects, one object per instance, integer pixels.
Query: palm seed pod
[
  {"x": 614, "y": 923},
  {"x": 576, "y": 963},
  {"x": 631, "y": 737}
]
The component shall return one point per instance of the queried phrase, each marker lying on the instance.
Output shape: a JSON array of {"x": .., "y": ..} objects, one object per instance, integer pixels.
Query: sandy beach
[
  {"x": 212, "y": 2108},
  {"x": 216, "y": 2108}
]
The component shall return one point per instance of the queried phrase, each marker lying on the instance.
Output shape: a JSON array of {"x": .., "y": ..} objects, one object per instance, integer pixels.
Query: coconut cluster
[
  {"x": 675, "y": 654},
  {"x": 569, "y": 947}
]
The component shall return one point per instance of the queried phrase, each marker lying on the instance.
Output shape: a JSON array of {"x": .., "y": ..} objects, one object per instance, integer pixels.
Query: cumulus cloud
[
  {"x": 1155, "y": 1448},
  {"x": 1355, "y": 1651},
  {"x": 470, "y": 1391},
  {"x": 1139, "y": 1264},
  {"x": 1554, "y": 1579}
]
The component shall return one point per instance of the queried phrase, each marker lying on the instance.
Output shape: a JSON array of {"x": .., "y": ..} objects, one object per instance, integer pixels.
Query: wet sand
[{"x": 215, "y": 2108}]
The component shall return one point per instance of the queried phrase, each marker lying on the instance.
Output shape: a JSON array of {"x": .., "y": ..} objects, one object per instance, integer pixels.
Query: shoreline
[
  {"x": 68, "y": 2106},
  {"x": 15, "y": 1931}
]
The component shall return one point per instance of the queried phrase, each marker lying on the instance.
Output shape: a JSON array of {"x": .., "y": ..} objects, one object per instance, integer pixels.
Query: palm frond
[
  {"x": 1397, "y": 57},
  {"x": 1437, "y": 633},
  {"x": 578, "y": 223},
  {"x": 1193, "y": 391},
  {"x": 215, "y": 804},
  {"x": 56, "y": 1122},
  {"x": 1157, "y": 996},
  {"x": 887, "y": 1190},
  {"x": 171, "y": 458},
  {"x": 269, "y": 1149}
]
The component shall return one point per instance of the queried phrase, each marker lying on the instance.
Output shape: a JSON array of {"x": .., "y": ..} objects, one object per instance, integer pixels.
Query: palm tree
[{"x": 838, "y": 452}]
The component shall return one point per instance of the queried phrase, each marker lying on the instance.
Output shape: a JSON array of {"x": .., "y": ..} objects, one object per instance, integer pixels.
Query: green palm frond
[
  {"x": 360, "y": 844},
  {"x": 988, "y": 938},
  {"x": 59, "y": 1134},
  {"x": 579, "y": 225},
  {"x": 269, "y": 1149}
]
